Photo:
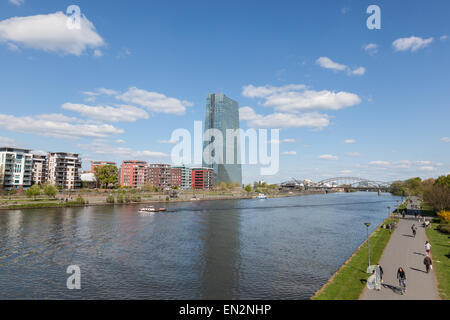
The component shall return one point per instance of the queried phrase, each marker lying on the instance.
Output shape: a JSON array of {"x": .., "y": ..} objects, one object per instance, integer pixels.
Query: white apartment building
[
  {"x": 63, "y": 170},
  {"x": 39, "y": 169},
  {"x": 15, "y": 168}
]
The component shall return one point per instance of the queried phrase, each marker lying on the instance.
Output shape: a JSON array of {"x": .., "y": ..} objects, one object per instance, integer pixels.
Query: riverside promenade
[{"x": 403, "y": 250}]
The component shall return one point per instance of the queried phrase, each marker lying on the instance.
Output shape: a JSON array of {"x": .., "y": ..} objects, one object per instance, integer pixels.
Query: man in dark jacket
[{"x": 428, "y": 263}]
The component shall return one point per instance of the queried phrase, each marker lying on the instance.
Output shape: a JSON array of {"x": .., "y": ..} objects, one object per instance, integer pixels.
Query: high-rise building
[
  {"x": 159, "y": 175},
  {"x": 134, "y": 174},
  {"x": 15, "y": 168},
  {"x": 202, "y": 178},
  {"x": 63, "y": 170},
  {"x": 95, "y": 164},
  {"x": 186, "y": 174},
  {"x": 222, "y": 113},
  {"x": 39, "y": 169}
]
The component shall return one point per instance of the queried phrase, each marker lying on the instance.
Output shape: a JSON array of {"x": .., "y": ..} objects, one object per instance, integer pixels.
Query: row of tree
[{"x": 435, "y": 192}]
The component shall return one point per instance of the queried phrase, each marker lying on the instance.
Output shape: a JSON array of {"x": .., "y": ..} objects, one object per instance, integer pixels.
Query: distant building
[
  {"x": 39, "y": 176},
  {"x": 95, "y": 164},
  {"x": 64, "y": 170},
  {"x": 186, "y": 175},
  {"x": 202, "y": 178},
  {"x": 15, "y": 168},
  {"x": 134, "y": 174},
  {"x": 175, "y": 177},
  {"x": 88, "y": 180},
  {"x": 222, "y": 113},
  {"x": 159, "y": 175}
]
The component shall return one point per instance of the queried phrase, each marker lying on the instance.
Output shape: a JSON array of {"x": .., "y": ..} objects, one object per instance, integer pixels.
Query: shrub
[
  {"x": 444, "y": 215},
  {"x": 120, "y": 198},
  {"x": 444, "y": 228},
  {"x": 127, "y": 199},
  {"x": 167, "y": 198},
  {"x": 110, "y": 199},
  {"x": 136, "y": 199},
  {"x": 80, "y": 200}
]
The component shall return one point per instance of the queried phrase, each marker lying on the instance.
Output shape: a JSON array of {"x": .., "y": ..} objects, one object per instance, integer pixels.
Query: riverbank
[
  {"x": 348, "y": 281},
  {"x": 100, "y": 200},
  {"x": 440, "y": 251}
]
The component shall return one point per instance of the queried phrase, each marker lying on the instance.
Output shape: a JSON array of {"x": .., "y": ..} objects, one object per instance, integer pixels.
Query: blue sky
[{"x": 117, "y": 88}]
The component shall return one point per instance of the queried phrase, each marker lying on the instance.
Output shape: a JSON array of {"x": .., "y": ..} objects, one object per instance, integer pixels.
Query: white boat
[
  {"x": 151, "y": 209},
  {"x": 261, "y": 196}
]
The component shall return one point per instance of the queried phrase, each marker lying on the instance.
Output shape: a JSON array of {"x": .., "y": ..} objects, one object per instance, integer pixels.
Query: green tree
[
  {"x": 50, "y": 190},
  {"x": 106, "y": 175},
  {"x": 443, "y": 181},
  {"x": 33, "y": 191},
  {"x": 248, "y": 188}
]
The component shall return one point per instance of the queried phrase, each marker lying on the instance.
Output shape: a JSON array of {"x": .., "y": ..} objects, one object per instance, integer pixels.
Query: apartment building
[
  {"x": 186, "y": 174},
  {"x": 64, "y": 170},
  {"x": 159, "y": 175},
  {"x": 202, "y": 178},
  {"x": 134, "y": 174},
  {"x": 15, "y": 168},
  {"x": 39, "y": 174},
  {"x": 175, "y": 177}
]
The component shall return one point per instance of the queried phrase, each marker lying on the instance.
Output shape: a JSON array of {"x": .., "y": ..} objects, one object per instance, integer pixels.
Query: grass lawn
[
  {"x": 440, "y": 250},
  {"x": 349, "y": 282}
]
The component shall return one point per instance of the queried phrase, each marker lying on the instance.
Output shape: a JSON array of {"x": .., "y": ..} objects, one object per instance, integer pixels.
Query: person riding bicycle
[{"x": 401, "y": 276}]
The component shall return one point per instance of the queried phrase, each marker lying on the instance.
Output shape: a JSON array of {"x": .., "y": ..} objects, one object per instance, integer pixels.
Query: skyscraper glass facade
[{"x": 222, "y": 113}]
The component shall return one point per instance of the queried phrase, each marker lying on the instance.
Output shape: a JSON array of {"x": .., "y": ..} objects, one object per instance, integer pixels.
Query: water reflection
[{"x": 246, "y": 249}]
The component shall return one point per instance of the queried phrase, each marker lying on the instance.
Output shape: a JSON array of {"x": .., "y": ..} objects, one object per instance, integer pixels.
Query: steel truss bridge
[{"x": 346, "y": 182}]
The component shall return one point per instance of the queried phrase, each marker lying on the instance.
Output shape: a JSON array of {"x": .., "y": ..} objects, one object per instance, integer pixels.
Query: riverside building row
[{"x": 136, "y": 174}]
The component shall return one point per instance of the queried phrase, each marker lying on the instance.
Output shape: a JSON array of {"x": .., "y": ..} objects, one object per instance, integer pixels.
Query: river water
[{"x": 283, "y": 248}]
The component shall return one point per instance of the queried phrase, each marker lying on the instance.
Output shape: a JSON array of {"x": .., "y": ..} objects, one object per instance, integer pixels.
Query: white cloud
[
  {"x": 283, "y": 120},
  {"x": 155, "y": 102},
  {"x": 289, "y": 153},
  {"x": 411, "y": 43},
  {"x": 350, "y": 141},
  {"x": 13, "y": 47},
  {"x": 122, "y": 113},
  {"x": 328, "y": 157},
  {"x": 120, "y": 141},
  {"x": 444, "y": 37},
  {"x": 49, "y": 32},
  {"x": 98, "y": 53},
  {"x": 358, "y": 71},
  {"x": 423, "y": 162},
  {"x": 346, "y": 171},
  {"x": 4, "y": 141},
  {"x": 427, "y": 168},
  {"x": 57, "y": 126},
  {"x": 168, "y": 141},
  {"x": 371, "y": 48},
  {"x": 282, "y": 141},
  {"x": 327, "y": 63},
  {"x": 100, "y": 148},
  {"x": 445, "y": 139},
  {"x": 379, "y": 163},
  {"x": 294, "y": 98},
  {"x": 16, "y": 2}
]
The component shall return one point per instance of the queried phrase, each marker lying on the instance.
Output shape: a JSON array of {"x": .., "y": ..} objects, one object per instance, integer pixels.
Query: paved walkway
[{"x": 407, "y": 252}]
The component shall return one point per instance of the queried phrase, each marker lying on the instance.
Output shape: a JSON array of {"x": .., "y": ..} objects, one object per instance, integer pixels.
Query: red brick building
[
  {"x": 202, "y": 178},
  {"x": 134, "y": 174},
  {"x": 175, "y": 177},
  {"x": 159, "y": 175}
]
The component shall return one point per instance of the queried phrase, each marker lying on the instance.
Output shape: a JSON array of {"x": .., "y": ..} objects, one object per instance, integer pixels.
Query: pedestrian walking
[
  {"x": 428, "y": 264},
  {"x": 428, "y": 248},
  {"x": 413, "y": 228},
  {"x": 401, "y": 276}
]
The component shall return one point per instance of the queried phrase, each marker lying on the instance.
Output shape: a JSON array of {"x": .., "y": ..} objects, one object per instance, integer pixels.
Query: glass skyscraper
[{"x": 222, "y": 113}]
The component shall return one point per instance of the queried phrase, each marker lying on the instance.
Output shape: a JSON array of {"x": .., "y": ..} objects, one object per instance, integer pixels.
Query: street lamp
[{"x": 367, "y": 224}]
